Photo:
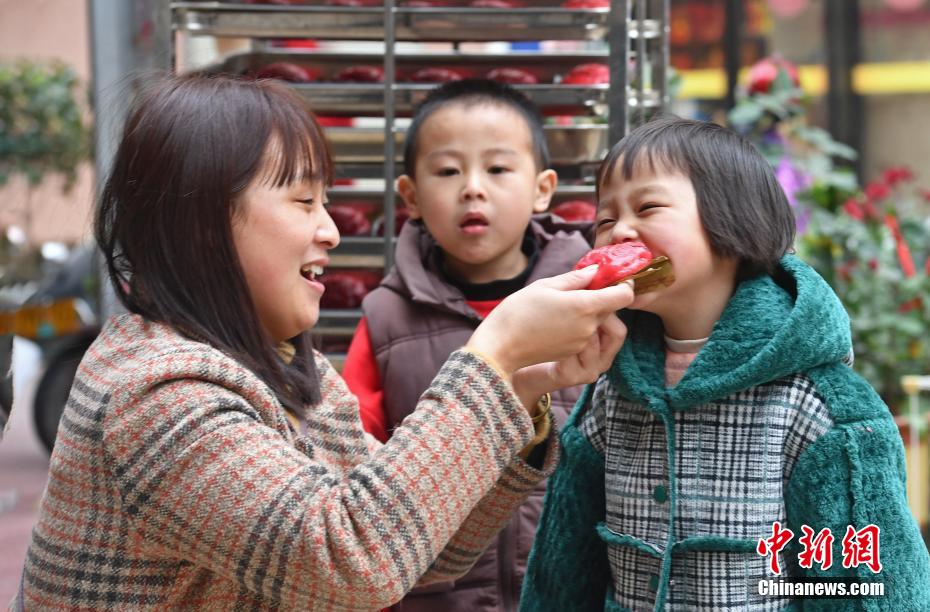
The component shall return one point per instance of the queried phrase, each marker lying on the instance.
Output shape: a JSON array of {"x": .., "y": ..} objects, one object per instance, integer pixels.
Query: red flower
[
  {"x": 877, "y": 190},
  {"x": 870, "y": 211},
  {"x": 764, "y": 72},
  {"x": 910, "y": 305},
  {"x": 893, "y": 176},
  {"x": 852, "y": 208},
  {"x": 873, "y": 264},
  {"x": 927, "y": 267},
  {"x": 904, "y": 252},
  {"x": 925, "y": 194},
  {"x": 845, "y": 270}
]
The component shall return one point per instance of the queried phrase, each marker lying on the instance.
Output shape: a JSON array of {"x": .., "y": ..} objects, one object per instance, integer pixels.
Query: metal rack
[{"x": 636, "y": 53}]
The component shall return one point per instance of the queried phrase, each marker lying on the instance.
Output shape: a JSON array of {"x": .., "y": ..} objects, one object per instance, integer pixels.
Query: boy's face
[
  {"x": 476, "y": 187},
  {"x": 660, "y": 209}
]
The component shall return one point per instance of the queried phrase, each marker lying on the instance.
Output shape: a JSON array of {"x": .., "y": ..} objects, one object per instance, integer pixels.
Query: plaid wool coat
[
  {"x": 664, "y": 493},
  {"x": 177, "y": 482}
]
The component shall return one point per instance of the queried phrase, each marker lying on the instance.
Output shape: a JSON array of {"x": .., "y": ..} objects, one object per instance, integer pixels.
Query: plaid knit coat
[
  {"x": 664, "y": 493},
  {"x": 178, "y": 482}
]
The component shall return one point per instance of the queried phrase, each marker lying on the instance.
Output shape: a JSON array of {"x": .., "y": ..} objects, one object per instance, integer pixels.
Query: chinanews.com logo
[
  {"x": 859, "y": 547},
  {"x": 820, "y": 588}
]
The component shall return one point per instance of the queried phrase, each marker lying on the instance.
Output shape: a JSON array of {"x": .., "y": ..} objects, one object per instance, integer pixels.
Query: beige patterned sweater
[{"x": 178, "y": 482}]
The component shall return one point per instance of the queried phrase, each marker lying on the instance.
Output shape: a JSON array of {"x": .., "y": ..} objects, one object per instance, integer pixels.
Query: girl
[
  {"x": 207, "y": 457},
  {"x": 729, "y": 414}
]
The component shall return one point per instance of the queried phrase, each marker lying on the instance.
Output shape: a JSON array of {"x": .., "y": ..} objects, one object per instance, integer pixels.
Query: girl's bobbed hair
[
  {"x": 742, "y": 206},
  {"x": 191, "y": 146}
]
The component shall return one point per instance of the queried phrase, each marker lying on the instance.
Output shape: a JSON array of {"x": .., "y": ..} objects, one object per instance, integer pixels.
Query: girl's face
[
  {"x": 660, "y": 209},
  {"x": 282, "y": 235}
]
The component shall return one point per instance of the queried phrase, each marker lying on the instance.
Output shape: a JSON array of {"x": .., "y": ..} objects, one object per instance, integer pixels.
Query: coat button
[
  {"x": 660, "y": 494},
  {"x": 654, "y": 583}
]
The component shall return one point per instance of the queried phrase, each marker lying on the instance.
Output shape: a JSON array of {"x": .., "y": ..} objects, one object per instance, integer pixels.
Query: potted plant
[
  {"x": 871, "y": 243},
  {"x": 43, "y": 130}
]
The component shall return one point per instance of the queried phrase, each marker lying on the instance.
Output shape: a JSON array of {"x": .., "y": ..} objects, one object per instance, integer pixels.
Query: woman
[{"x": 208, "y": 457}]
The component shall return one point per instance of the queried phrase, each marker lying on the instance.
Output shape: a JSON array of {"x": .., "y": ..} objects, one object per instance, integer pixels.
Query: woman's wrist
[
  {"x": 492, "y": 353},
  {"x": 526, "y": 385}
]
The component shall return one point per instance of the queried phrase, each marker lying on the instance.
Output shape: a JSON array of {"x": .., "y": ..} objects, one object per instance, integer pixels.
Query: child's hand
[
  {"x": 584, "y": 367},
  {"x": 555, "y": 320}
]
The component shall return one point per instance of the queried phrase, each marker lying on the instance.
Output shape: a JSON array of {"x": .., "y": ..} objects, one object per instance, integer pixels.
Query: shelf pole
[
  {"x": 732, "y": 46},
  {"x": 618, "y": 40},
  {"x": 390, "y": 34},
  {"x": 665, "y": 53},
  {"x": 642, "y": 60}
]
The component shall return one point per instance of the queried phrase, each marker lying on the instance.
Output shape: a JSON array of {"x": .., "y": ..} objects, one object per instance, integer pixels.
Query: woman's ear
[
  {"x": 407, "y": 189},
  {"x": 546, "y": 182}
]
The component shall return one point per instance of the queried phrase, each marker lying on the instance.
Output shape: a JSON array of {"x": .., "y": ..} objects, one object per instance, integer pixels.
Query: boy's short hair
[
  {"x": 470, "y": 92},
  {"x": 742, "y": 206}
]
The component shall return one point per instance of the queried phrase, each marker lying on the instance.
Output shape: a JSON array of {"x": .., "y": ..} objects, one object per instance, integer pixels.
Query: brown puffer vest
[{"x": 419, "y": 319}]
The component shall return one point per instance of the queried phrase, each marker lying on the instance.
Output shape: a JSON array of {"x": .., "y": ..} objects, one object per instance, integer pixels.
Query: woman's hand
[
  {"x": 555, "y": 320},
  {"x": 531, "y": 382}
]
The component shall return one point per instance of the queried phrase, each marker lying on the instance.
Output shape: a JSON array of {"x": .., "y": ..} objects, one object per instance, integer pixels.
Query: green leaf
[
  {"x": 745, "y": 113},
  {"x": 42, "y": 126}
]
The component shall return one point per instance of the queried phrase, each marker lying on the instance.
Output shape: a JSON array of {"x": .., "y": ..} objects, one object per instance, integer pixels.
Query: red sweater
[{"x": 360, "y": 373}]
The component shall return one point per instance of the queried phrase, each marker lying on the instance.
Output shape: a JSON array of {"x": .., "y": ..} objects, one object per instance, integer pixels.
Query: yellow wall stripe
[{"x": 868, "y": 80}]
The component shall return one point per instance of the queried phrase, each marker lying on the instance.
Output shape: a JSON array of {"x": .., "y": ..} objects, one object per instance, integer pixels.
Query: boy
[
  {"x": 730, "y": 423},
  {"x": 476, "y": 171}
]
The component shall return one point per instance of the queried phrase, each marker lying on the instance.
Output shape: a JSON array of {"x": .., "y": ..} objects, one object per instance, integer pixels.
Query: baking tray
[
  {"x": 353, "y": 99},
  {"x": 567, "y": 144},
  {"x": 329, "y": 97},
  {"x": 335, "y": 98},
  {"x": 412, "y": 24}
]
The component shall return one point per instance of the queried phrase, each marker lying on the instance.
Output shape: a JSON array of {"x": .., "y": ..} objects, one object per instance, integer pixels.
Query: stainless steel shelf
[
  {"x": 413, "y": 24},
  {"x": 360, "y": 153},
  {"x": 567, "y": 144},
  {"x": 328, "y": 97},
  {"x": 358, "y": 252},
  {"x": 368, "y": 98},
  {"x": 337, "y": 322}
]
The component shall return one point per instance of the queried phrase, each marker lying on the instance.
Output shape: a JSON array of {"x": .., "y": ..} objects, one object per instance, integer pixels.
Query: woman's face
[{"x": 282, "y": 235}]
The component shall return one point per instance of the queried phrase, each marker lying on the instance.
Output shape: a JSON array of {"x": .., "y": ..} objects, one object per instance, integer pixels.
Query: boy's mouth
[{"x": 473, "y": 223}]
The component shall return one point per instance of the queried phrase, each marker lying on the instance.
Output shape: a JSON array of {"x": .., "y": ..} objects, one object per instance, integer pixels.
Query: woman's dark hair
[
  {"x": 741, "y": 205},
  {"x": 471, "y": 92},
  {"x": 191, "y": 146}
]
